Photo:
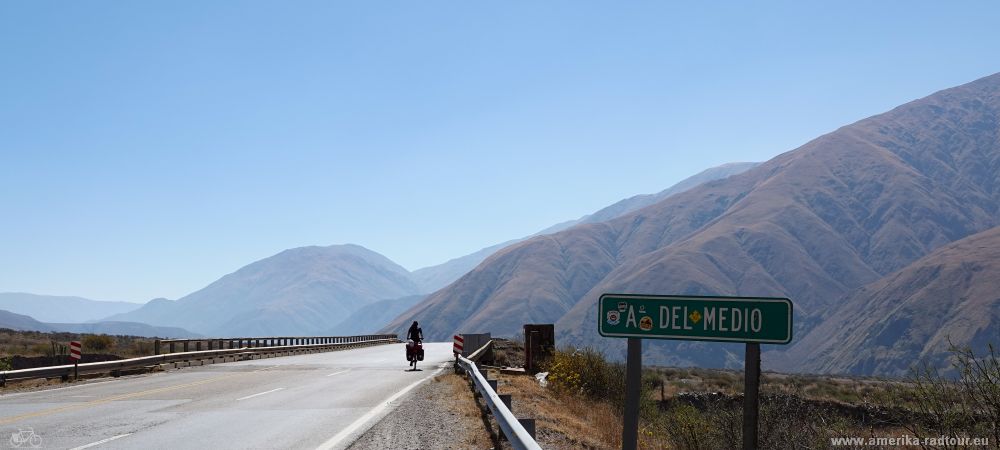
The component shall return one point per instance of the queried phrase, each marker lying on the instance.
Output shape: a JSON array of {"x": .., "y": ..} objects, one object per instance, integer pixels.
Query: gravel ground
[{"x": 439, "y": 414}]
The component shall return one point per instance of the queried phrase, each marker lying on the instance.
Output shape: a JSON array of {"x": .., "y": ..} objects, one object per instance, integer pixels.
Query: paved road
[{"x": 321, "y": 400}]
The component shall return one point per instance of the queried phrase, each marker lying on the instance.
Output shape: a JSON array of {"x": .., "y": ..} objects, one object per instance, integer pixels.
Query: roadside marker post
[
  {"x": 459, "y": 343},
  {"x": 75, "y": 353},
  {"x": 749, "y": 320}
]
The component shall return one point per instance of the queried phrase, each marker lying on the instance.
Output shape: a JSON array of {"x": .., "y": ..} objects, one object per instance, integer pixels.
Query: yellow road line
[{"x": 46, "y": 412}]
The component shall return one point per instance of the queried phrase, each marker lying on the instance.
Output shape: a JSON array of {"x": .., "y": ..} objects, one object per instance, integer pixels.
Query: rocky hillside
[
  {"x": 813, "y": 224},
  {"x": 912, "y": 314},
  {"x": 436, "y": 277}
]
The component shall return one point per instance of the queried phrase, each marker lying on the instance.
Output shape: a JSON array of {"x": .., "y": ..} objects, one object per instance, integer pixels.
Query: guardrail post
[
  {"x": 156, "y": 347},
  {"x": 529, "y": 426},
  {"x": 171, "y": 347},
  {"x": 506, "y": 399},
  {"x": 197, "y": 346},
  {"x": 186, "y": 346},
  {"x": 493, "y": 384}
]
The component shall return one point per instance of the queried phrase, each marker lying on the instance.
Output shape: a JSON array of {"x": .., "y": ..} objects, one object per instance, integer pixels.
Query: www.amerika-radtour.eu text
[{"x": 951, "y": 441}]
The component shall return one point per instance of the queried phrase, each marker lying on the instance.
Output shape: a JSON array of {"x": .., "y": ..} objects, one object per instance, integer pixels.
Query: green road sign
[{"x": 732, "y": 319}]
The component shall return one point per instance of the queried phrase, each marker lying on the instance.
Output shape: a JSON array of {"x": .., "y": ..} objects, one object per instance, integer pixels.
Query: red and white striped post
[
  {"x": 75, "y": 353},
  {"x": 459, "y": 344}
]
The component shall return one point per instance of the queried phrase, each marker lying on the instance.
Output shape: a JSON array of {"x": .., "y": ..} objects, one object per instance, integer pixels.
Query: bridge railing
[
  {"x": 161, "y": 346},
  {"x": 115, "y": 368}
]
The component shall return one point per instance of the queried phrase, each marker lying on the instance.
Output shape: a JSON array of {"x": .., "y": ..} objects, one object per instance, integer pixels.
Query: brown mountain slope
[
  {"x": 833, "y": 215},
  {"x": 886, "y": 326},
  {"x": 813, "y": 224}
]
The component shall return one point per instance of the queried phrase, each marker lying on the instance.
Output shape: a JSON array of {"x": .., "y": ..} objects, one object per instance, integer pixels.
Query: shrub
[
  {"x": 143, "y": 348},
  {"x": 97, "y": 343},
  {"x": 966, "y": 406}
]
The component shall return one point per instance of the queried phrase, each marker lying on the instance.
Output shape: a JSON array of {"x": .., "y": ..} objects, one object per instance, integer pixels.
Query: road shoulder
[{"x": 438, "y": 414}]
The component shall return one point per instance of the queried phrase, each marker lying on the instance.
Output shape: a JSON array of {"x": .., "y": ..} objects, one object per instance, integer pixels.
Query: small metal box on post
[{"x": 539, "y": 342}]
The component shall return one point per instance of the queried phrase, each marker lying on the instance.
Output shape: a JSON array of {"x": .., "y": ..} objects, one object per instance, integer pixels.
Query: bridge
[{"x": 309, "y": 399}]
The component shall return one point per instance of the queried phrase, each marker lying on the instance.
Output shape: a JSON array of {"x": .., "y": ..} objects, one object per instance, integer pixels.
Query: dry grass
[
  {"x": 851, "y": 390},
  {"x": 36, "y": 343},
  {"x": 561, "y": 422},
  {"x": 460, "y": 401}
]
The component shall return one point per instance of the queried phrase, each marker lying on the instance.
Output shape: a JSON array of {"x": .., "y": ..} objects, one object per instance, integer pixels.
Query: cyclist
[{"x": 415, "y": 334}]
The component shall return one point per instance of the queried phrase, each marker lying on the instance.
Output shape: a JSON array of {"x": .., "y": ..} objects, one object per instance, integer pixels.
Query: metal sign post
[
  {"x": 751, "y": 320},
  {"x": 751, "y": 384},
  {"x": 633, "y": 382},
  {"x": 75, "y": 350}
]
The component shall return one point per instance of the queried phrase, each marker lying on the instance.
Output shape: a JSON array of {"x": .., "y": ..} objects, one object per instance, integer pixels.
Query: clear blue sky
[{"x": 148, "y": 148}]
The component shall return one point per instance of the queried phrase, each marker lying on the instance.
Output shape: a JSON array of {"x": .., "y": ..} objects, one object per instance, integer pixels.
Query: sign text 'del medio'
[{"x": 734, "y": 319}]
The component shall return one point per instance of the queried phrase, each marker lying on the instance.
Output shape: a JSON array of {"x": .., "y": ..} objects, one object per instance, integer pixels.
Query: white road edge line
[
  {"x": 338, "y": 373},
  {"x": 259, "y": 393},
  {"x": 102, "y": 441},
  {"x": 363, "y": 420}
]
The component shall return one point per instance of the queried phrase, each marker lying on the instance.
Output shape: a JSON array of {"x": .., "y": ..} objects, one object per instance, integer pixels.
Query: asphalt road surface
[{"x": 320, "y": 400}]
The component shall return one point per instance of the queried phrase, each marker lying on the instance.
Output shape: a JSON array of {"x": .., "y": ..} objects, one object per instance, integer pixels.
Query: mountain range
[
  {"x": 302, "y": 291},
  {"x": 912, "y": 315},
  {"x": 20, "y": 322},
  {"x": 339, "y": 289},
  {"x": 815, "y": 224},
  {"x": 883, "y": 233},
  {"x": 52, "y": 308}
]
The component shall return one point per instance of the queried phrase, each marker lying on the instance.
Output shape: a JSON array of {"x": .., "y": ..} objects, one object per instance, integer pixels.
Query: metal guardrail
[
  {"x": 185, "y": 345},
  {"x": 518, "y": 437},
  {"x": 244, "y": 353}
]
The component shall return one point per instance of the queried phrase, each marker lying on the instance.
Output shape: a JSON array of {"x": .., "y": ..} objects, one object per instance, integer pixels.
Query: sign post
[
  {"x": 74, "y": 353},
  {"x": 633, "y": 378},
  {"x": 751, "y": 405},
  {"x": 750, "y": 320}
]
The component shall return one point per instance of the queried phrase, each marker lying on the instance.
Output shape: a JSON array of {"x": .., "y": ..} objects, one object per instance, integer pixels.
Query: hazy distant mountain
[
  {"x": 302, "y": 291},
  {"x": 51, "y": 308},
  {"x": 26, "y": 323},
  {"x": 813, "y": 224},
  {"x": 909, "y": 315},
  {"x": 371, "y": 317},
  {"x": 637, "y": 202},
  {"x": 436, "y": 277},
  {"x": 125, "y": 329},
  {"x": 20, "y": 322},
  {"x": 337, "y": 289}
]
